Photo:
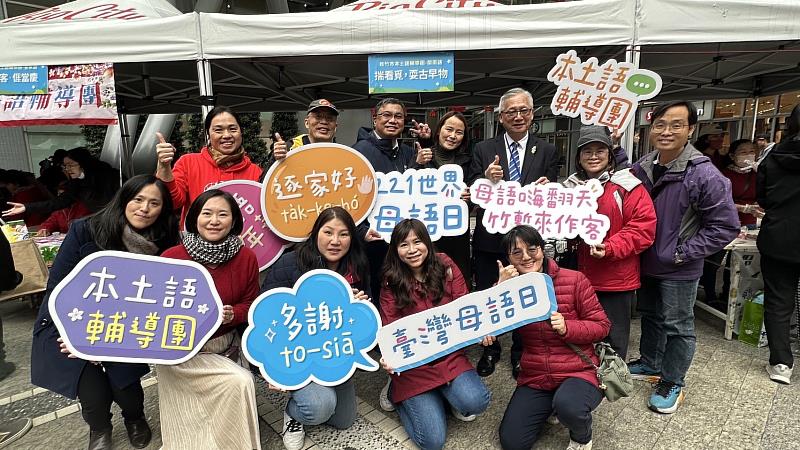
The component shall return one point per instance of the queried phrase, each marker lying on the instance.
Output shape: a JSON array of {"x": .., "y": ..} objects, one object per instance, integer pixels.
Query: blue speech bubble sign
[{"x": 315, "y": 331}]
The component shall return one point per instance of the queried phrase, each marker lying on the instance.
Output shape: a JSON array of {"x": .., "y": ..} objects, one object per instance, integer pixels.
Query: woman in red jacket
[
  {"x": 613, "y": 265},
  {"x": 741, "y": 172},
  {"x": 553, "y": 379},
  {"x": 223, "y": 159},
  {"x": 415, "y": 279},
  {"x": 209, "y": 401}
]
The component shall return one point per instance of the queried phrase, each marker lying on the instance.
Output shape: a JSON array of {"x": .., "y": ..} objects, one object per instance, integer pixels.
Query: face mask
[{"x": 744, "y": 162}]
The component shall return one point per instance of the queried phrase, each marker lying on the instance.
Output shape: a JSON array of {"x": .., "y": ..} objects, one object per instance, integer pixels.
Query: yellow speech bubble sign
[{"x": 309, "y": 180}]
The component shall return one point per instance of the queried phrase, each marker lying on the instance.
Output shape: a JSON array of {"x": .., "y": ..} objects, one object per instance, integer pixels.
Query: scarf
[
  {"x": 207, "y": 253},
  {"x": 577, "y": 180},
  {"x": 223, "y": 160},
  {"x": 136, "y": 243}
]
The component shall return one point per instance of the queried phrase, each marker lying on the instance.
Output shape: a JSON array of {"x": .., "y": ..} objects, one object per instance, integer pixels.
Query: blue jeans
[
  {"x": 668, "y": 339},
  {"x": 315, "y": 404},
  {"x": 424, "y": 416}
]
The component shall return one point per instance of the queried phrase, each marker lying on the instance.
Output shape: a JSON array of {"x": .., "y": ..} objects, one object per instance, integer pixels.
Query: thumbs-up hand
[
  {"x": 494, "y": 172},
  {"x": 505, "y": 272},
  {"x": 424, "y": 155},
  {"x": 164, "y": 150},
  {"x": 279, "y": 147}
]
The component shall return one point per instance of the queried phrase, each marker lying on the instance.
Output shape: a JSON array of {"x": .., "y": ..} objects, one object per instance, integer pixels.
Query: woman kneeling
[
  {"x": 210, "y": 400},
  {"x": 553, "y": 379},
  {"x": 415, "y": 279}
]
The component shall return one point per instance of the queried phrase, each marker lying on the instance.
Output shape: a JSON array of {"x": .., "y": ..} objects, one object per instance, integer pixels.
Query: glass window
[
  {"x": 44, "y": 140},
  {"x": 788, "y": 101},
  {"x": 728, "y": 108}
]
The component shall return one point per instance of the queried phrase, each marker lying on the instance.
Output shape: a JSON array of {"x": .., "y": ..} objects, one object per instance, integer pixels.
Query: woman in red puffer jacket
[
  {"x": 553, "y": 379},
  {"x": 612, "y": 266}
]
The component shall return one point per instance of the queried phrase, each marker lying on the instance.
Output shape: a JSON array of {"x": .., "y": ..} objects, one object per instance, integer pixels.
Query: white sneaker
[
  {"x": 780, "y": 373},
  {"x": 293, "y": 434},
  {"x": 575, "y": 446},
  {"x": 386, "y": 404},
  {"x": 462, "y": 417}
]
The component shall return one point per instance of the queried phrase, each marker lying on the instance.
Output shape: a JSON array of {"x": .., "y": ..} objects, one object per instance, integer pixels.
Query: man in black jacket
[{"x": 516, "y": 155}]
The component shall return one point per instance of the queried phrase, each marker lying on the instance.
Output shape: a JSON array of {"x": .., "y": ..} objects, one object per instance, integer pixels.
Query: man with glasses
[
  {"x": 696, "y": 218},
  {"x": 381, "y": 145},
  {"x": 516, "y": 155},
  {"x": 320, "y": 123}
]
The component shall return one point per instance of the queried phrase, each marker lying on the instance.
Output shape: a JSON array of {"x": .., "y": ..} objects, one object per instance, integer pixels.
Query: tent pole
[
  {"x": 755, "y": 119},
  {"x": 632, "y": 55},
  {"x": 123, "y": 145},
  {"x": 205, "y": 83}
]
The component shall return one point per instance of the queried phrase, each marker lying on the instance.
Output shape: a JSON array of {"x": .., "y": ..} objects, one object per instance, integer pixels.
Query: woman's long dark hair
[
  {"x": 355, "y": 260},
  {"x": 108, "y": 224},
  {"x": 399, "y": 278},
  {"x": 463, "y": 148},
  {"x": 529, "y": 236}
]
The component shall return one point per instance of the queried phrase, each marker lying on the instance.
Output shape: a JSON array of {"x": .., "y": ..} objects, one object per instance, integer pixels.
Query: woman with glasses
[
  {"x": 553, "y": 379},
  {"x": 223, "y": 159},
  {"x": 91, "y": 182},
  {"x": 415, "y": 279},
  {"x": 613, "y": 265}
]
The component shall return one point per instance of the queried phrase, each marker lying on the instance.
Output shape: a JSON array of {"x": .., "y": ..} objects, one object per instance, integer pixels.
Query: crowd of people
[{"x": 669, "y": 212}]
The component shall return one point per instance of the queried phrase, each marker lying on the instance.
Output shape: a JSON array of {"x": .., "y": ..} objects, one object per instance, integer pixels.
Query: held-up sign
[
  {"x": 256, "y": 235},
  {"x": 428, "y": 335},
  {"x": 312, "y": 178},
  {"x": 606, "y": 94},
  {"x": 430, "y": 195},
  {"x": 125, "y": 307},
  {"x": 315, "y": 331},
  {"x": 555, "y": 211}
]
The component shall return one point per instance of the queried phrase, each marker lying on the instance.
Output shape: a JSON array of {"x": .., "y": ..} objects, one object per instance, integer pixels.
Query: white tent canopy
[
  {"x": 90, "y": 31},
  {"x": 414, "y": 30}
]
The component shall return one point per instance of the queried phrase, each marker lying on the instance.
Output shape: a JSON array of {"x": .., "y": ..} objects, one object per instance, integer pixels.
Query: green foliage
[
  {"x": 94, "y": 135},
  {"x": 284, "y": 123},
  {"x": 255, "y": 147}
]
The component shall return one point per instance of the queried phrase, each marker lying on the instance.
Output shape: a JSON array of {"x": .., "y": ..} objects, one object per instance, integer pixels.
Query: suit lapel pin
[{"x": 533, "y": 150}]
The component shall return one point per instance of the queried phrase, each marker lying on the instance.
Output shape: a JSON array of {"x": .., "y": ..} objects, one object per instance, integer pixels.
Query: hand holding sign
[
  {"x": 314, "y": 332},
  {"x": 279, "y": 148},
  {"x": 494, "y": 172}
]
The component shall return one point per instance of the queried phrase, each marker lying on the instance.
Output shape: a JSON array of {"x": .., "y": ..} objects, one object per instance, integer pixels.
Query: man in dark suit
[{"x": 516, "y": 155}]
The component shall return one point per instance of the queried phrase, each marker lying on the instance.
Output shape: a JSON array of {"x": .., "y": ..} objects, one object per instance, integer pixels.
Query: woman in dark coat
[
  {"x": 91, "y": 182},
  {"x": 451, "y": 146},
  {"x": 778, "y": 192},
  {"x": 333, "y": 244},
  {"x": 139, "y": 220}
]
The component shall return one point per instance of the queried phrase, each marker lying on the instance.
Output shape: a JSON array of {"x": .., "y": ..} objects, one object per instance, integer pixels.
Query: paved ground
[{"x": 730, "y": 404}]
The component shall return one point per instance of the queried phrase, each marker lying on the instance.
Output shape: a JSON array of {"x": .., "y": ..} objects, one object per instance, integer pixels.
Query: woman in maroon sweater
[
  {"x": 213, "y": 386},
  {"x": 741, "y": 172},
  {"x": 415, "y": 279},
  {"x": 553, "y": 379}
]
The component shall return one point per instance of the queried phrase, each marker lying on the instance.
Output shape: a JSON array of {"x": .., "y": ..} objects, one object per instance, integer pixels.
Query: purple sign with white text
[
  {"x": 256, "y": 235},
  {"x": 124, "y": 307}
]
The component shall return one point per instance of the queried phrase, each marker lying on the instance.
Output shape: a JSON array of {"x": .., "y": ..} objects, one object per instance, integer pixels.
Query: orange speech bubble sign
[{"x": 312, "y": 178}]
